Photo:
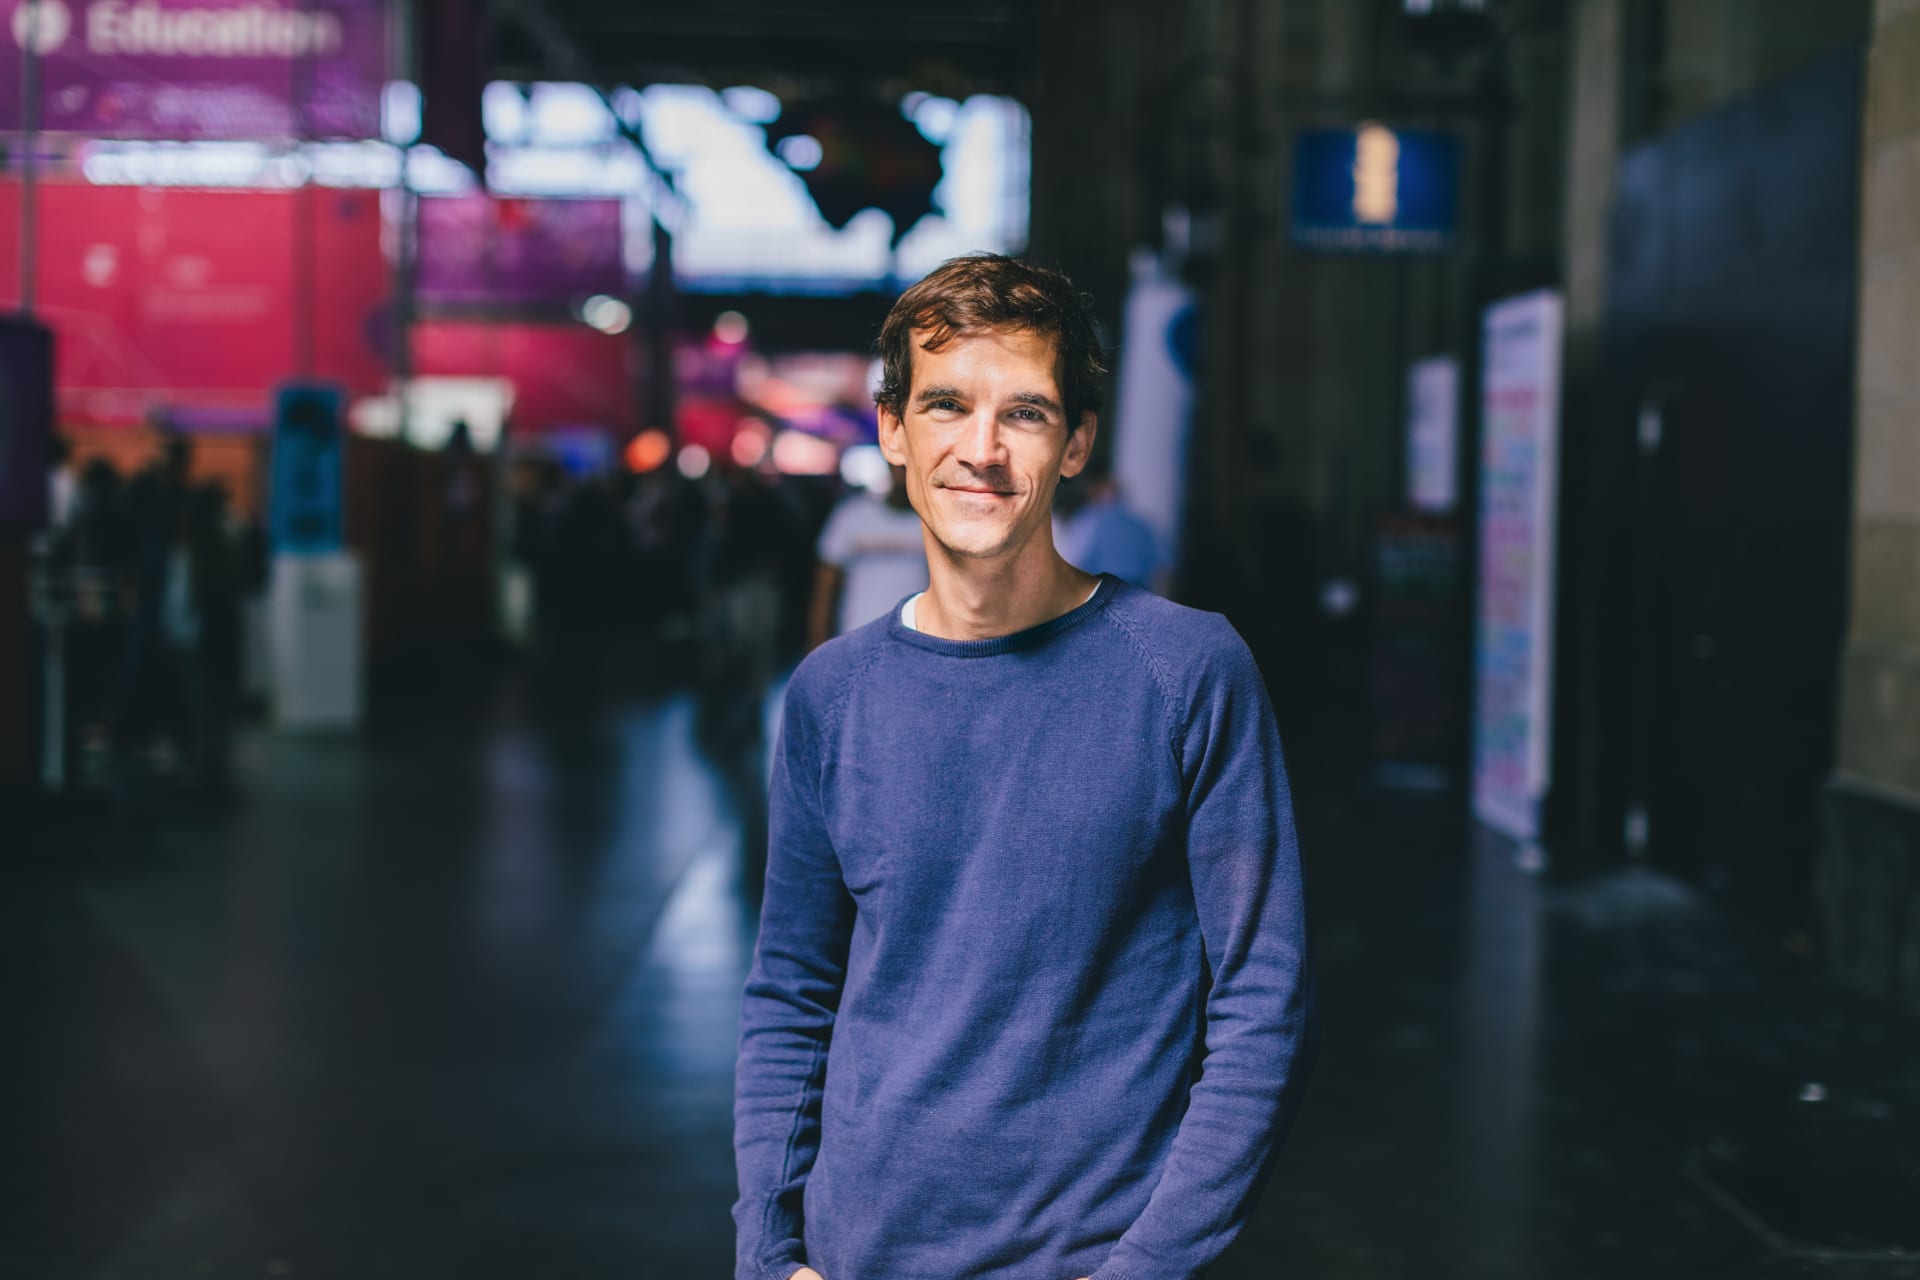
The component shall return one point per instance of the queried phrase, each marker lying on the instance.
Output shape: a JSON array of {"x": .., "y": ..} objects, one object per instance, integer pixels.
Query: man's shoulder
[
  {"x": 824, "y": 675},
  {"x": 1164, "y": 624},
  {"x": 1187, "y": 646}
]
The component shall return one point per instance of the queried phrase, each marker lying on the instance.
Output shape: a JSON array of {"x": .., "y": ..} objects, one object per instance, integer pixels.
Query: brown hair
[{"x": 990, "y": 291}]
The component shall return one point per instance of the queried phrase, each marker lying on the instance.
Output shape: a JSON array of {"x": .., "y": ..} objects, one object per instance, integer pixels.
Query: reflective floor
[{"x": 459, "y": 1002}]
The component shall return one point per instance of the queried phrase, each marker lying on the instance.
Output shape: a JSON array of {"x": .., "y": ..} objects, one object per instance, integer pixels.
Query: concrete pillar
[
  {"x": 1582, "y": 816},
  {"x": 1593, "y": 153},
  {"x": 1870, "y": 860}
]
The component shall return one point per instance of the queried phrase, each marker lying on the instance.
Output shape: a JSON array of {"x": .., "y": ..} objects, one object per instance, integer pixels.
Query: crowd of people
[
  {"x": 142, "y": 580},
  {"x": 729, "y": 578},
  {"x": 676, "y": 579},
  {"x": 721, "y": 581}
]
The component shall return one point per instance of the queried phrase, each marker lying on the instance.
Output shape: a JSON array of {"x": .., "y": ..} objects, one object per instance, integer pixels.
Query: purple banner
[
  {"x": 197, "y": 70},
  {"x": 476, "y": 250}
]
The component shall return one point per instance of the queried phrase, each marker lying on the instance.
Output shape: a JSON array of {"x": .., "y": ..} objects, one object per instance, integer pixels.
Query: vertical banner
[
  {"x": 1519, "y": 504},
  {"x": 1433, "y": 435},
  {"x": 309, "y": 466},
  {"x": 1154, "y": 403},
  {"x": 26, "y": 421}
]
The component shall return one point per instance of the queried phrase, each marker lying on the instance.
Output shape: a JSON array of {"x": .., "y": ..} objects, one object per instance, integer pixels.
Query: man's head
[{"x": 989, "y": 391}]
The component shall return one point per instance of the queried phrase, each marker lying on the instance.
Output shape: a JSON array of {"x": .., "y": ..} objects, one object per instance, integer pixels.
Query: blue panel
[
  {"x": 309, "y": 464},
  {"x": 1375, "y": 190}
]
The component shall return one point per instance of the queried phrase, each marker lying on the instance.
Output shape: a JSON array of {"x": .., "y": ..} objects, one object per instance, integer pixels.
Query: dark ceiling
[{"x": 945, "y": 46}]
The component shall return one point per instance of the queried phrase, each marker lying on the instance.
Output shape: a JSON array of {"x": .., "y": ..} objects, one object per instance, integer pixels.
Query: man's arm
[
  {"x": 833, "y": 552},
  {"x": 1243, "y": 859},
  {"x": 787, "y": 1013},
  {"x": 824, "y": 606}
]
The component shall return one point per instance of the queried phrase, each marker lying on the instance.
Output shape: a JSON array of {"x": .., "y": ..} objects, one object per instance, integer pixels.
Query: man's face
[{"x": 984, "y": 440}]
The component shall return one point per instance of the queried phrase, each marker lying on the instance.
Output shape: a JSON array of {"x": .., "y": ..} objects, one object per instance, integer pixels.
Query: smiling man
[{"x": 1031, "y": 997}]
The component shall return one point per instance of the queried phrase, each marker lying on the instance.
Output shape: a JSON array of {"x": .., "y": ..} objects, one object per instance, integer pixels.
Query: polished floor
[{"x": 459, "y": 1001}]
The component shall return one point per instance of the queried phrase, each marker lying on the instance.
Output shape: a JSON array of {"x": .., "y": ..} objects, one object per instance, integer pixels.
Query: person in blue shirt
[
  {"x": 1103, "y": 535},
  {"x": 1032, "y": 996}
]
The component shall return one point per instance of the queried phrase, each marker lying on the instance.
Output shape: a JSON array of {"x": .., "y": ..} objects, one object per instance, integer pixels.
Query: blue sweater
[{"x": 1031, "y": 997}]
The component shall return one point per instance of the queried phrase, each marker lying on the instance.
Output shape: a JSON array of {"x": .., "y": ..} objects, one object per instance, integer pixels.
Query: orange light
[
  {"x": 750, "y": 444},
  {"x": 796, "y": 453},
  {"x": 648, "y": 450}
]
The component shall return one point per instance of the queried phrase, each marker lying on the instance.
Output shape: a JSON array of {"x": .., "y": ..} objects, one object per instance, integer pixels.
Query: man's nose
[{"x": 981, "y": 443}]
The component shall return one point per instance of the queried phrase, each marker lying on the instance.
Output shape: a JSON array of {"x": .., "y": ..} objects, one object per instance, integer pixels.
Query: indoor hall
[{"x": 494, "y": 544}]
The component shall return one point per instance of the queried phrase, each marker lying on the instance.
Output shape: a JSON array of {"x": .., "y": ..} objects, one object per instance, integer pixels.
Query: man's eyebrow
[
  {"x": 929, "y": 394},
  {"x": 1037, "y": 400}
]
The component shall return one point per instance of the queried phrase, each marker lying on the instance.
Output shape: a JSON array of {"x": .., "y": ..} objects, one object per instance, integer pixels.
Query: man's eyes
[{"x": 1025, "y": 414}]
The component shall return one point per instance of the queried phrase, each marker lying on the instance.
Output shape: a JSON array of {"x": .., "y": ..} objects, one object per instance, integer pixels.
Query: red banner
[
  {"x": 563, "y": 375},
  {"x": 178, "y": 298}
]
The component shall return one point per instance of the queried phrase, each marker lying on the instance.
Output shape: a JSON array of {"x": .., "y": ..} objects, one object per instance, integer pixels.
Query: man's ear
[
  {"x": 1080, "y": 446},
  {"x": 892, "y": 433}
]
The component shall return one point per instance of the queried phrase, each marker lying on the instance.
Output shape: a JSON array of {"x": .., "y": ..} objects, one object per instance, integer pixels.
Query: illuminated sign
[
  {"x": 1375, "y": 190},
  {"x": 198, "y": 69}
]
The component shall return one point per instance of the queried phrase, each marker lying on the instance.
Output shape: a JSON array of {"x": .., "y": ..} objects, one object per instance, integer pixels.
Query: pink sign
[
  {"x": 479, "y": 250},
  {"x": 180, "y": 298},
  {"x": 197, "y": 69},
  {"x": 564, "y": 375}
]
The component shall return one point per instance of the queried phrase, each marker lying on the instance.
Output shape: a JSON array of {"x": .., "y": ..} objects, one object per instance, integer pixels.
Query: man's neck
[{"x": 985, "y": 599}]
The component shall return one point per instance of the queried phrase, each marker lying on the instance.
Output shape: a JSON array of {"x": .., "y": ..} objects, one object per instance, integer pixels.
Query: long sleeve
[
  {"x": 790, "y": 1002},
  {"x": 1243, "y": 860}
]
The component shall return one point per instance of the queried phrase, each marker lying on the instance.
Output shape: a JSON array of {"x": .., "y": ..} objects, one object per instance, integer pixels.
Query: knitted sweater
[{"x": 1031, "y": 996}]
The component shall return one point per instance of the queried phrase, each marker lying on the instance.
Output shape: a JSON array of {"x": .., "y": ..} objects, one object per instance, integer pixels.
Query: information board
[
  {"x": 1433, "y": 434},
  {"x": 1519, "y": 504}
]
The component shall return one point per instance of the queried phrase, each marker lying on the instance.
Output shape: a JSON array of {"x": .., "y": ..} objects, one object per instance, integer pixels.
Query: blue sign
[
  {"x": 309, "y": 468},
  {"x": 1375, "y": 190}
]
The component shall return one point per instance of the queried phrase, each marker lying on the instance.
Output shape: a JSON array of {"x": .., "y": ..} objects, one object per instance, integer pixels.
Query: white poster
[
  {"x": 1154, "y": 400},
  {"x": 1519, "y": 504},
  {"x": 1433, "y": 434}
]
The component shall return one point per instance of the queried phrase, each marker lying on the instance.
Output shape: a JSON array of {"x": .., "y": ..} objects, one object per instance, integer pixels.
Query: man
[
  {"x": 1031, "y": 997},
  {"x": 872, "y": 555}
]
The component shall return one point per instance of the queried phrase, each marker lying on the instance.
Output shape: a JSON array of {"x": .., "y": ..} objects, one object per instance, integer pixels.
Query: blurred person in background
[
  {"x": 95, "y": 546},
  {"x": 1031, "y": 994},
  {"x": 148, "y": 709},
  {"x": 1102, "y": 535},
  {"x": 97, "y": 533},
  {"x": 741, "y": 621},
  {"x": 871, "y": 555},
  {"x": 205, "y": 590},
  {"x": 63, "y": 486}
]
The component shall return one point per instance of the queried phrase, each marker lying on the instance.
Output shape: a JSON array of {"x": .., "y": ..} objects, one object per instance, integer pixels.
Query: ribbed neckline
[{"x": 993, "y": 645}]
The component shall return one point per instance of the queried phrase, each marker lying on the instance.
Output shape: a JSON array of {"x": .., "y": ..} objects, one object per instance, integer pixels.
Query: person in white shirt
[{"x": 871, "y": 556}]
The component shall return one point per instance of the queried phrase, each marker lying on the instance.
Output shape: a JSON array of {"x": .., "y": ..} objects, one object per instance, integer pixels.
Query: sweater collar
[{"x": 992, "y": 645}]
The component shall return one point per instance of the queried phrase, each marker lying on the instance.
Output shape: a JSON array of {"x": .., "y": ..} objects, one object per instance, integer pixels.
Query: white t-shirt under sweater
[{"x": 907, "y": 610}]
